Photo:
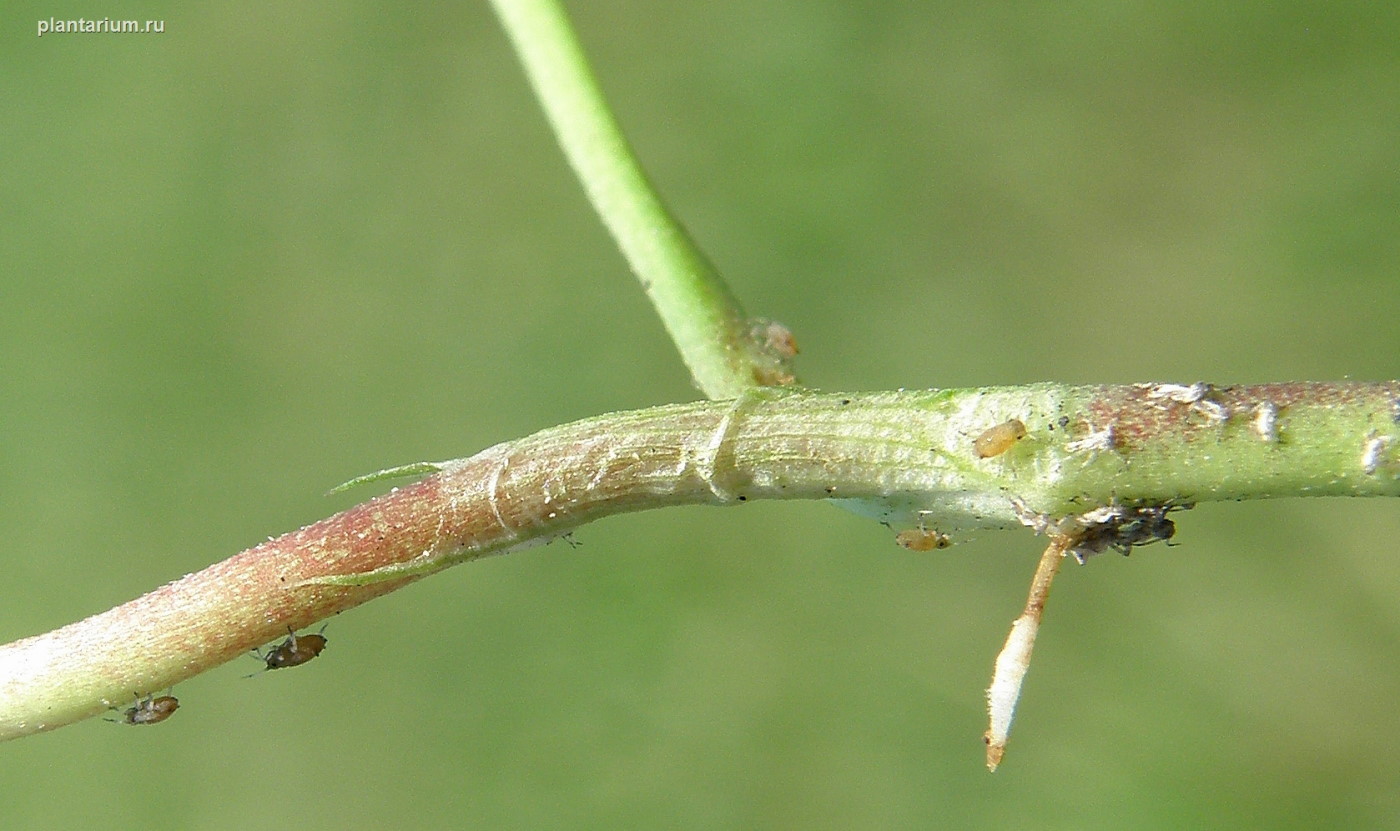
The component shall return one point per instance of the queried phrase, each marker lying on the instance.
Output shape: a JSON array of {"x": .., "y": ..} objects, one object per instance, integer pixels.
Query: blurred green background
[{"x": 281, "y": 245}]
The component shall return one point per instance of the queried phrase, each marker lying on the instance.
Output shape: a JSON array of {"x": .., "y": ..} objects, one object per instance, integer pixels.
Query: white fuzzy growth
[
  {"x": 1097, "y": 441},
  {"x": 1213, "y": 410},
  {"x": 1010, "y": 672},
  {"x": 1266, "y": 421},
  {"x": 1043, "y": 524},
  {"x": 1037, "y": 522},
  {"x": 1372, "y": 455},
  {"x": 1200, "y": 396},
  {"x": 1180, "y": 393}
]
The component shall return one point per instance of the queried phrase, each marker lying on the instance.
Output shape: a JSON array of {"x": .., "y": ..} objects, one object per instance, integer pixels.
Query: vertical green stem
[{"x": 725, "y": 352}]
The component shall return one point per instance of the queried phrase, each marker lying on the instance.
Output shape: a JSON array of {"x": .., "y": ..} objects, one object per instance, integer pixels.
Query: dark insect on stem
[
  {"x": 152, "y": 710},
  {"x": 1121, "y": 527},
  {"x": 294, "y": 651}
]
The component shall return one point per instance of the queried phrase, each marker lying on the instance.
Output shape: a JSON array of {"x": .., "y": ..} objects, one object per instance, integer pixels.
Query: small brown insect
[
  {"x": 995, "y": 441},
  {"x": 920, "y": 539},
  {"x": 294, "y": 651},
  {"x": 151, "y": 711}
]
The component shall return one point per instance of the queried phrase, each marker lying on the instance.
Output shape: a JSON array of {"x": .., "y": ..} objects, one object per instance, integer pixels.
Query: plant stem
[
  {"x": 904, "y": 457},
  {"x": 1015, "y": 657},
  {"x": 725, "y": 351}
]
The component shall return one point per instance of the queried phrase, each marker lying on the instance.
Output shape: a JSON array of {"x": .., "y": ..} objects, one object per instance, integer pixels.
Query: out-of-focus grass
[{"x": 279, "y": 246}]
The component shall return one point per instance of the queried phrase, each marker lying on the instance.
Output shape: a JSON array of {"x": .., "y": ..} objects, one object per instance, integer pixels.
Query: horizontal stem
[{"x": 907, "y": 458}]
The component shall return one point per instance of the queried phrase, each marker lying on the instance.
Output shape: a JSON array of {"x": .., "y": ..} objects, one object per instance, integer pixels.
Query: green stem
[
  {"x": 726, "y": 352},
  {"x": 908, "y": 458}
]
